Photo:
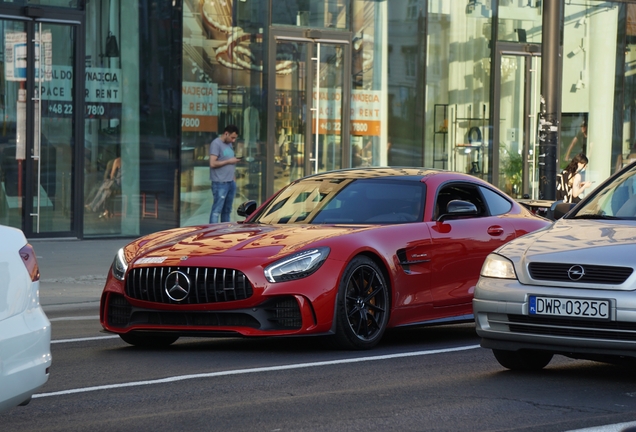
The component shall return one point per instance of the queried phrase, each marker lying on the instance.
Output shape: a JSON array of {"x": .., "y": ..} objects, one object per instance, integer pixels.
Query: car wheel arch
[
  {"x": 385, "y": 272},
  {"x": 356, "y": 324}
]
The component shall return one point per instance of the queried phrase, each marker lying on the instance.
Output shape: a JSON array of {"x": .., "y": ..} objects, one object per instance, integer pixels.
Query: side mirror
[
  {"x": 459, "y": 208},
  {"x": 246, "y": 208},
  {"x": 561, "y": 209}
]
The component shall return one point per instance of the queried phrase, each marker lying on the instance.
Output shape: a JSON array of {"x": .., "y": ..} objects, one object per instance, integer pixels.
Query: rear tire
[
  {"x": 523, "y": 360},
  {"x": 362, "y": 310},
  {"x": 148, "y": 340}
]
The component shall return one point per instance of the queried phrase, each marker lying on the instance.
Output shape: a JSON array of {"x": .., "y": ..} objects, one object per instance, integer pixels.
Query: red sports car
[{"x": 346, "y": 253}]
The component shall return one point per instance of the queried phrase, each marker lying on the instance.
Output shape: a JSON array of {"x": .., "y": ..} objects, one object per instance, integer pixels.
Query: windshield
[
  {"x": 347, "y": 201},
  {"x": 616, "y": 200}
]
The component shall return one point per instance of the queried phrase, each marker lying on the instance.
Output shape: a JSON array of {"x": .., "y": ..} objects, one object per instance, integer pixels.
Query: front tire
[
  {"x": 148, "y": 340},
  {"x": 362, "y": 310},
  {"x": 523, "y": 360}
]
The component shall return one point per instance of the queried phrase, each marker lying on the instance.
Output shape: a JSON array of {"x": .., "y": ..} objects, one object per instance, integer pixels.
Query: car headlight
[
  {"x": 296, "y": 266},
  {"x": 120, "y": 265},
  {"x": 498, "y": 267}
]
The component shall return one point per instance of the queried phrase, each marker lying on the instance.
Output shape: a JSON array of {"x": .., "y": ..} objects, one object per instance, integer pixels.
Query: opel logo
[
  {"x": 576, "y": 272},
  {"x": 177, "y": 286}
]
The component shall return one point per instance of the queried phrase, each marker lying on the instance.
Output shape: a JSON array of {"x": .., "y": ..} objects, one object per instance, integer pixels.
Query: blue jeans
[{"x": 223, "y": 197}]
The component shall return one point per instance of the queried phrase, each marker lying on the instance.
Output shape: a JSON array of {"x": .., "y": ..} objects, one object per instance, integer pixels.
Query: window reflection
[
  {"x": 315, "y": 13},
  {"x": 458, "y": 86},
  {"x": 58, "y": 3},
  {"x": 592, "y": 68},
  {"x": 222, "y": 84},
  {"x": 518, "y": 21},
  {"x": 130, "y": 106}
]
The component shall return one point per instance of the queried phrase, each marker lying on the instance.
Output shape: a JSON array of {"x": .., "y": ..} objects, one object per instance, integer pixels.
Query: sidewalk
[{"x": 73, "y": 272}]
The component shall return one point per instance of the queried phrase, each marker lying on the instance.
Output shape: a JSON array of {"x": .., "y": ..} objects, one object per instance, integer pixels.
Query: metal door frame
[
  {"x": 530, "y": 120},
  {"x": 311, "y": 37},
  {"x": 34, "y": 15}
]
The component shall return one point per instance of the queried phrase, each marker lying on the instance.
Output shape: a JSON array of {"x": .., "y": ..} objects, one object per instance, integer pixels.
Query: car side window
[
  {"x": 463, "y": 192},
  {"x": 497, "y": 204}
]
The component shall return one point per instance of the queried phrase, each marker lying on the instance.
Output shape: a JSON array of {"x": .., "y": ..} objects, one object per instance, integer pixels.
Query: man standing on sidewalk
[{"x": 222, "y": 165}]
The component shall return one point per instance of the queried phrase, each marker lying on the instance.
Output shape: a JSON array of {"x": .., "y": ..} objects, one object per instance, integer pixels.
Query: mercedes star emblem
[
  {"x": 177, "y": 286},
  {"x": 576, "y": 272}
]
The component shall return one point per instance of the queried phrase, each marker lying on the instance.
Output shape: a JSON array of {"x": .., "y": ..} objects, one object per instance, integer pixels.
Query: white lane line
[
  {"x": 79, "y": 318},
  {"x": 617, "y": 427},
  {"x": 83, "y": 339},
  {"x": 253, "y": 370}
]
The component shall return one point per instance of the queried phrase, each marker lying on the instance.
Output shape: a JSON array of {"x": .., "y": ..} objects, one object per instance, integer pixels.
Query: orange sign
[
  {"x": 365, "y": 112},
  {"x": 366, "y": 116},
  {"x": 198, "y": 123},
  {"x": 358, "y": 127},
  {"x": 631, "y": 20},
  {"x": 199, "y": 109},
  {"x": 365, "y": 127},
  {"x": 327, "y": 127}
]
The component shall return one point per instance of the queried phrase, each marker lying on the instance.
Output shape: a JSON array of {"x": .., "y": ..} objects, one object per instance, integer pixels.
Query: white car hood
[{"x": 577, "y": 241}]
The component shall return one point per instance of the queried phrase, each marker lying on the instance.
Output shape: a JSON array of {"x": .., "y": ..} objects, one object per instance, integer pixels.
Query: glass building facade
[{"x": 109, "y": 106}]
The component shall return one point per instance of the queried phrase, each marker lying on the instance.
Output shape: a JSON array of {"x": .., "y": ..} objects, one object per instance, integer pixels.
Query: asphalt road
[
  {"x": 418, "y": 379},
  {"x": 426, "y": 379}
]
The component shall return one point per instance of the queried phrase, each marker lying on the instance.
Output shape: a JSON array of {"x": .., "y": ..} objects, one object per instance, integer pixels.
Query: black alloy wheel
[{"x": 362, "y": 312}]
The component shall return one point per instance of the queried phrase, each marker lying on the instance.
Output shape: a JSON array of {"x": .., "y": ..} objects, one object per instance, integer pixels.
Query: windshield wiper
[{"x": 595, "y": 216}]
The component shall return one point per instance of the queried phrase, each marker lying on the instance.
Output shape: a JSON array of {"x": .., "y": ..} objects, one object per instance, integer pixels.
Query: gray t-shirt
[{"x": 222, "y": 151}]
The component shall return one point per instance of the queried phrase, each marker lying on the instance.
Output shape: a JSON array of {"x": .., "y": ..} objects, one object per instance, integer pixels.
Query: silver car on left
[{"x": 25, "y": 331}]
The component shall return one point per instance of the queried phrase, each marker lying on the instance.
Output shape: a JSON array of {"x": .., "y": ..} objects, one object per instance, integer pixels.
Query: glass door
[
  {"x": 13, "y": 152},
  {"x": 517, "y": 104},
  {"x": 309, "y": 99},
  {"x": 37, "y": 139}
]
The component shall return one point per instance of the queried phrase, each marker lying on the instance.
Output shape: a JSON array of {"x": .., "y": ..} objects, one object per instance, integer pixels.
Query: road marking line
[
  {"x": 83, "y": 339},
  {"x": 253, "y": 370},
  {"x": 617, "y": 427}
]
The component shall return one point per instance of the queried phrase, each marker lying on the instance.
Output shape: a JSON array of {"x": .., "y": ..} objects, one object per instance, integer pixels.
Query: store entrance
[
  {"x": 516, "y": 105},
  {"x": 310, "y": 127},
  {"x": 40, "y": 119}
]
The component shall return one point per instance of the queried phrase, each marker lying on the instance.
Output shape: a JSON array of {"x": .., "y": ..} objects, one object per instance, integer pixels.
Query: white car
[
  {"x": 569, "y": 289},
  {"x": 25, "y": 331}
]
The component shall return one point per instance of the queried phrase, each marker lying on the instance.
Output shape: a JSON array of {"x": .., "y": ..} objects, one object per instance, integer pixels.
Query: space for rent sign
[
  {"x": 199, "y": 107},
  {"x": 102, "y": 92},
  {"x": 365, "y": 112}
]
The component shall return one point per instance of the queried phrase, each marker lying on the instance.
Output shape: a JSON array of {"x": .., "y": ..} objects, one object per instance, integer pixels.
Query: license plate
[{"x": 569, "y": 307}]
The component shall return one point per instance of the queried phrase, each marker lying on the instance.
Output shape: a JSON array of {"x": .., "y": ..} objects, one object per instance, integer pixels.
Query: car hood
[
  {"x": 236, "y": 240},
  {"x": 572, "y": 240}
]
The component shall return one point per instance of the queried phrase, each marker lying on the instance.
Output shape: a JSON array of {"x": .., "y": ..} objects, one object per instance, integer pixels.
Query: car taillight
[{"x": 30, "y": 262}]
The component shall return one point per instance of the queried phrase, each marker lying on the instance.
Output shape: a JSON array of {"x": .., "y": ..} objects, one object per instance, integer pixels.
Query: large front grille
[
  {"x": 557, "y": 272},
  {"x": 570, "y": 327},
  {"x": 279, "y": 313},
  {"x": 206, "y": 285}
]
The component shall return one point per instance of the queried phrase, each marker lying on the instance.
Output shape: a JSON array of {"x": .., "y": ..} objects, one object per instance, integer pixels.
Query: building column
[{"x": 603, "y": 27}]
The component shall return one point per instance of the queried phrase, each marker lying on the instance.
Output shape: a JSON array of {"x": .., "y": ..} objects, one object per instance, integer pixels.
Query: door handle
[{"x": 495, "y": 230}]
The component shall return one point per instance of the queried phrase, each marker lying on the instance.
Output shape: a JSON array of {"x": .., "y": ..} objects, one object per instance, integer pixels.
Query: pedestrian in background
[
  {"x": 222, "y": 166},
  {"x": 580, "y": 139},
  {"x": 569, "y": 184}
]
